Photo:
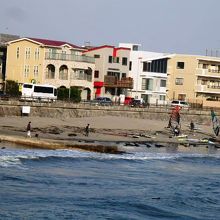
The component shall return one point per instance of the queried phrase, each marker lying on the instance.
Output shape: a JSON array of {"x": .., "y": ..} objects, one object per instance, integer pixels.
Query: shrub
[
  {"x": 12, "y": 88},
  {"x": 74, "y": 94}
]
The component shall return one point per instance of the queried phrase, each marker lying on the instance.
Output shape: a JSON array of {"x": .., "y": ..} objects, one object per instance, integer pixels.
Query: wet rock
[
  {"x": 159, "y": 145},
  {"x": 149, "y": 145},
  {"x": 72, "y": 135}
]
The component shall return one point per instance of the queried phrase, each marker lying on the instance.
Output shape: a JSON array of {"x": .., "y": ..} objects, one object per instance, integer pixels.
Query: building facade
[
  {"x": 33, "y": 60},
  {"x": 4, "y": 38},
  {"x": 149, "y": 71},
  {"x": 195, "y": 79},
  {"x": 111, "y": 75}
]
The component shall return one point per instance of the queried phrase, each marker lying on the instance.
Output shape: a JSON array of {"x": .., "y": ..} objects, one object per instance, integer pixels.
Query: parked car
[
  {"x": 104, "y": 101},
  {"x": 138, "y": 103},
  {"x": 182, "y": 104},
  {"x": 4, "y": 96}
]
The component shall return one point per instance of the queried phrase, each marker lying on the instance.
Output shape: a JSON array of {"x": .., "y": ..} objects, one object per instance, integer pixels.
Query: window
[
  {"x": 79, "y": 74},
  {"x": 50, "y": 72},
  {"x": 162, "y": 97},
  {"x": 204, "y": 82},
  {"x": 28, "y": 53},
  {"x": 77, "y": 53},
  {"x": 110, "y": 59},
  {"x": 155, "y": 66},
  {"x": 147, "y": 84},
  {"x": 96, "y": 74},
  {"x": 43, "y": 89},
  {"x": 135, "y": 48},
  {"x": 123, "y": 75},
  {"x": 63, "y": 55},
  {"x": 115, "y": 59},
  {"x": 29, "y": 86},
  {"x": 124, "y": 61},
  {"x": 179, "y": 81},
  {"x": 145, "y": 66},
  {"x": 180, "y": 65},
  {"x": 18, "y": 52},
  {"x": 26, "y": 71},
  {"x": 35, "y": 71},
  {"x": 63, "y": 72},
  {"x": 181, "y": 97},
  {"x": 37, "y": 54},
  {"x": 130, "y": 65},
  {"x": 115, "y": 74},
  {"x": 163, "y": 83},
  {"x": 52, "y": 53},
  {"x": 96, "y": 56}
]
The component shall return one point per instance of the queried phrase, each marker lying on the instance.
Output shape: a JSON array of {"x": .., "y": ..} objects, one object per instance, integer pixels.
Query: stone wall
[{"x": 68, "y": 110}]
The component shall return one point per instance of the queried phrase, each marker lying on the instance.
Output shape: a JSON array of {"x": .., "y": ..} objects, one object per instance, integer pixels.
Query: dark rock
[{"x": 72, "y": 134}]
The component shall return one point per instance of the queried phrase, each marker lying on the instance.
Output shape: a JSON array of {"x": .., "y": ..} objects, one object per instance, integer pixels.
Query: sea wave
[
  {"x": 6, "y": 161},
  {"x": 13, "y": 157}
]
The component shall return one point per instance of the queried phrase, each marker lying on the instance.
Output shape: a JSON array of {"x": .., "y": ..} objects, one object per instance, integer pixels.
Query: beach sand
[{"x": 104, "y": 128}]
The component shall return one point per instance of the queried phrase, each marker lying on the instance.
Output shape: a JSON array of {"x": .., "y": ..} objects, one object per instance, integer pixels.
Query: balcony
[
  {"x": 69, "y": 57},
  {"x": 85, "y": 77},
  {"x": 214, "y": 89},
  {"x": 212, "y": 73},
  {"x": 113, "y": 82}
]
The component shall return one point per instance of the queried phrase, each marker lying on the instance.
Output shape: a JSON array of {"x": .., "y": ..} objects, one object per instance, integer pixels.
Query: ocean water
[{"x": 141, "y": 184}]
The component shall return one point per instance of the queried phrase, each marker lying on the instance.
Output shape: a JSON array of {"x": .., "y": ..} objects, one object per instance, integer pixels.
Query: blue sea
[{"x": 143, "y": 183}]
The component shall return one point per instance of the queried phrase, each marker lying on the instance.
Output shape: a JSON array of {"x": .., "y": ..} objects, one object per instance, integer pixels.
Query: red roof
[
  {"x": 54, "y": 43},
  {"x": 107, "y": 46}
]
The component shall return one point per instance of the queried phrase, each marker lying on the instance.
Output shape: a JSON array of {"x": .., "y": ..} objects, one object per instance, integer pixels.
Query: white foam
[
  {"x": 6, "y": 161},
  {"x": 13, "y": 157}
]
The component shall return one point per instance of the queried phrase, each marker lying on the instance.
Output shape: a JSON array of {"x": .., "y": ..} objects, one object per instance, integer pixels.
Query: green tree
[
  {"x": 62, "y": 93},
  {"x": 73, "y": 94},
  {"x": 12, "y": 88}
]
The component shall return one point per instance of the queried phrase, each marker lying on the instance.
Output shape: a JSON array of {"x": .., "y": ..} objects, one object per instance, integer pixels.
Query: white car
[{"x": 182, "y": 104}]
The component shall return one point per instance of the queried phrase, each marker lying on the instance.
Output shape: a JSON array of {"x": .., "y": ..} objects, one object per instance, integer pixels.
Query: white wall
[{"x": 137, "y": 58}]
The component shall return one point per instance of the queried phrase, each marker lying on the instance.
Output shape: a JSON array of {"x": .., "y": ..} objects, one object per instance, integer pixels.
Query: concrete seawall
[{"x": 70, "y": 110}]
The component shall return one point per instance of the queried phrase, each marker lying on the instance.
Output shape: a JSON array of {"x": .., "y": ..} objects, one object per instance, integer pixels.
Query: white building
[{"x": 149, "y": 72}]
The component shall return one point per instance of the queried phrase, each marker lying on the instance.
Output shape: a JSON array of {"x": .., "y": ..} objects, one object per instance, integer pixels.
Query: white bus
[{"x": 38, "y": 92}]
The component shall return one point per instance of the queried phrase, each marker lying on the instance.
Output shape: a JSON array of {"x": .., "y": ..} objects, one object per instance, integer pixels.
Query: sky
[{"x": 168, "y": 26}]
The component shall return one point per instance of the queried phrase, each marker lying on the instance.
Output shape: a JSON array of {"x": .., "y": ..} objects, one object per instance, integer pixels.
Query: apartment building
[
  {"x": 111, "y": 70},
  {"x": 195, "y": 79},
  {"x": 2, "y": 66},
  {"x": 149, "y": 71},
  {"x": 4, "y": 38},
  {"x": 62, "y": 64}
]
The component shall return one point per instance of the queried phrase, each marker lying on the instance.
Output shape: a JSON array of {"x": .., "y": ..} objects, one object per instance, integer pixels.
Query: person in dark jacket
[
  {"x": 29, "y": 129},
  {"x": 192, "y": 126},
  {"x": 87, "y": 130}
]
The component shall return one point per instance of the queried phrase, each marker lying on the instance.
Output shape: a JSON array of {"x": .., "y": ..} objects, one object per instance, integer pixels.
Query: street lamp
[
  {"x": 70, "y": 86},
  {"x": 137, "y": 76},
  {"x": 5, "y": 85}
]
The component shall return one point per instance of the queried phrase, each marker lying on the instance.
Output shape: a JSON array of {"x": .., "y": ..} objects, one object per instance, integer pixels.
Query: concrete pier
[{"x": 54, "y": 145}]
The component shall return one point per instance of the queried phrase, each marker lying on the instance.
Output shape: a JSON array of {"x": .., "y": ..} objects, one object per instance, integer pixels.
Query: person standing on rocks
[
  {"x": 192, "y": 126},
  {"x": 29, "y": 129}
]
